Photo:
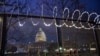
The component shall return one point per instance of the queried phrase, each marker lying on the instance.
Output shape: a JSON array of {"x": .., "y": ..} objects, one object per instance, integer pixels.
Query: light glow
[{"x": 93, "y": 49}]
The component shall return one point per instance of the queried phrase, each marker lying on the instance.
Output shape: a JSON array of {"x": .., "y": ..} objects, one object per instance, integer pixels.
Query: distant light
[
  {"x": 84, "y": 49},
  {"x": 64, "y": 49},
  {"x": 6, "y": 52},
  {"x": 71, "y": 49},
  {"x": 92, "y": 49},
  {"x": 45, "y": 50},
  {"x": 56, "y": 50},
  {"x": 0, "y": 19},
  {"x": 60, "y": 48},
  {"x": 68, "y": 50}
]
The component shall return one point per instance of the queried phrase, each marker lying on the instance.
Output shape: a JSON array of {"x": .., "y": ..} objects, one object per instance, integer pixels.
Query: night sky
[{"x": 27, "y": 33}]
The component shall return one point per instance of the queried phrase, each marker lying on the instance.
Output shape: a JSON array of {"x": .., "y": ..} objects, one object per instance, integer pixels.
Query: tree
[
  {"x": 11, "y": 48},
  {"x": 52, "y": 47},
  {"x": 61, "y": 4},
  {"x": 13, "y": 6}
]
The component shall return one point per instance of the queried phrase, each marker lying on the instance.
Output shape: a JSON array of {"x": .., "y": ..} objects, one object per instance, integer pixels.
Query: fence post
[
  {"x": 97, "y": 40},
  {"x": 4, "y": 31},
  {"x": 59, "y": 36}
]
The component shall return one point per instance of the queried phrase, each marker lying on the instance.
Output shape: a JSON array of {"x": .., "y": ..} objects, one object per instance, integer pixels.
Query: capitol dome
[{"x": 40, "y": 36}]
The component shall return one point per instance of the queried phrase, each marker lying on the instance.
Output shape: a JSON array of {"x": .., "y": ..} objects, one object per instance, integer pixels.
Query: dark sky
[
  {"x": 92, "y": 5},
  {"x": 28, "y": 32}
]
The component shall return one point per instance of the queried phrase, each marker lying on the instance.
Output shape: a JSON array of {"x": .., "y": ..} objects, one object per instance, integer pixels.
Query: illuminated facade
[
  {"x": 40, "y": 36},
  {"x": 40, "y": 42}
]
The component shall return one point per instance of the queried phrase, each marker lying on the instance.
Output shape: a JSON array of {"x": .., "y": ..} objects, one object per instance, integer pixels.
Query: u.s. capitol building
[{"x": 40, "y": 42}]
